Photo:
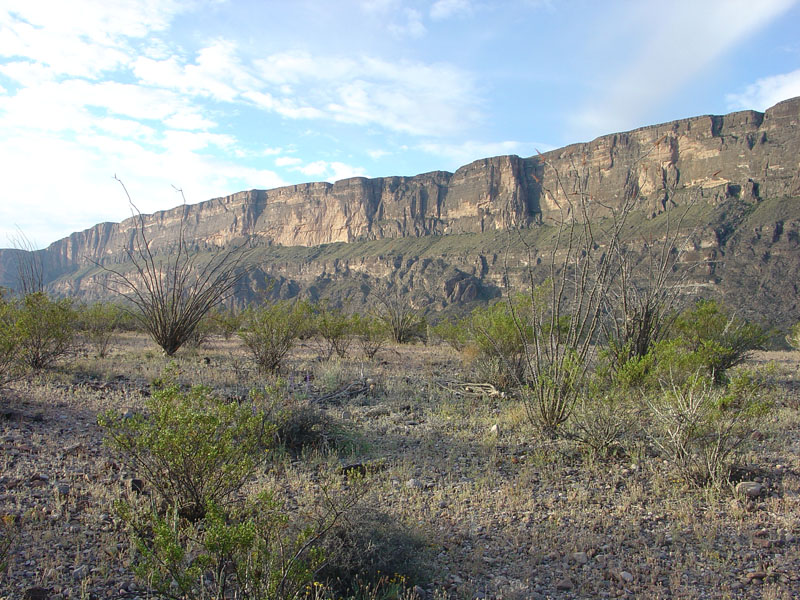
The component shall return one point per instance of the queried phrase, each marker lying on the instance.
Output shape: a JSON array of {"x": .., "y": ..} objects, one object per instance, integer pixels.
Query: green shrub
[
  {"x": 249, "y": 551},
  {"x": 333, "y": 327},
  {"x": 98, "y": 323},
  {"x": 719, "y": 339},
  {"x": 270, "y": 331},
  {"x": 227, "y": 320},
  {"x": 793, "y": 337},
  {"x": 371, "y": 334},
  {"x": 46, "y": 329},
  {"x": 700, "y": 427},
  {"x": 10, "y": 368},
  {"x": 453, "y": 332},
  {"x": 203, "y": 536},
  {"x": 9, "y": 531},
  {"x": 194, "y": 449}
]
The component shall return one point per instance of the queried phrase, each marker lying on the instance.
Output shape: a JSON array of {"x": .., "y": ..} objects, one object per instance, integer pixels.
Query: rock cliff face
[{"x": 735, "y": 161}]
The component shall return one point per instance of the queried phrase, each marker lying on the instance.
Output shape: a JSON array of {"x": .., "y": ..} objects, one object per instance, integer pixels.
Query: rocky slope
[{"x": 742, "y": 168}]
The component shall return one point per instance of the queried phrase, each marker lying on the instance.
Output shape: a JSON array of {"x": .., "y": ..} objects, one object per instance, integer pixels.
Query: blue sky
[{"x": 217, "y": 96}]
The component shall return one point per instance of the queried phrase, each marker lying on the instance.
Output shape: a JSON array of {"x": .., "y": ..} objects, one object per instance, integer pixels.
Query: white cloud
[
  {"x": 766, "y": 92},
  {"x": 287, "y": 161},
  {"x": 462, "y": 153},
  {"x": 411, "y": 24},
  {"x": 445, "y": 9},
  {"x": 378, "y": 154},
  {"x": 661, "y": 64},
  {"x": 321, "y": 169}
]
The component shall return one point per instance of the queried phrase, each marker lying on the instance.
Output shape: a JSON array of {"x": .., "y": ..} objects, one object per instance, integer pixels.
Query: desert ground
[{"x": 461, "y": 496}]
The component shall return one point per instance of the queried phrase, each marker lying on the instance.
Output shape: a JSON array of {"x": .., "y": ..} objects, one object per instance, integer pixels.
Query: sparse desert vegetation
[{"x": 396, "y": 476}]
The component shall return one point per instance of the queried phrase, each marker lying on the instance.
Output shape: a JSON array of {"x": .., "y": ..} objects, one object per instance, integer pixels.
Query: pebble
[
  {"x": 625, "y": 577},
  {"x": 564, "y": 584},
  {"x": 580, "y": 557},
  {"x": 749, "y": 489},
  {"x": 415, "y": 484},
  {"x": 81, "y": 572}
]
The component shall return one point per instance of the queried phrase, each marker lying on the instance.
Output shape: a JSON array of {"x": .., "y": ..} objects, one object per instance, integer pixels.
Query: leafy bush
[
  {"x": 453, "y": 332},
  {"x": 334, "y": 327},
  {"x": 793, "y": 337},
  {"x": 46, "y": 329},
  {"x": 9, "y": 531},
  {"x": 720, "y": 340},
  {"x": 270, "y": 331},
  {"x": 501, "y": 340},
  {"x": 700, "y": 428},
  {"x": 98, "y": 323},
  {"x": 194, "y": 449},
  {"x": 371, "y": 334},
  {"x": 250, "y": 551},
  {"x": 10, "y": 368},
  {"x": 228, "y": 321},
  {"x": 202, "y": 537}
]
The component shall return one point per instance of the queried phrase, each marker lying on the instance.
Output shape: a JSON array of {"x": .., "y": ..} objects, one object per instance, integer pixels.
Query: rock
[
  {"x": 379, "y": 411},
  {"x": 136, "y": 485},
  {"x": 580, "y": 557},
  {"x": 495, "y": 430},
  {"x": 80, "y": 573},
  {"x": 564, "y": 584},
  {"x": 625, "y": 577},
  {"x": 419, "y": 592},
  {"x": 415, "y": 484},
  {"x": 36, "y": 593},
  {"x": 62, "y": 489},
  {"x": 749, "y": 489}
]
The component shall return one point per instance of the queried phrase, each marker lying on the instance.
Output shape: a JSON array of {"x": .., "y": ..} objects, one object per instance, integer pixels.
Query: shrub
[
  {"x": 46, "y": 329},
  {"x": 9, "y": 531},
  {"x": 502, "y": 342},
  {"x": 700, "y": 428},
  {"x": 371, "y": 334},
  {"x": 719, "y": 339},
  {"x": 334, "y": 327},
  {"x": 403, "y": 322},
  {"x": 793, "y": 337},
  {"x": 194, "y": 449},
  {"x": 453, "y": 332},
  {"x": 601, "y": 421},
  {"x": 251, "y": 551},
  {"x": 202, "y": 540},
  {"x": 98, "y": 324},
  {"x": 228, "y": 321},
  {"x": 270, "y": 331},
  {"x": 10, "y": 368}
]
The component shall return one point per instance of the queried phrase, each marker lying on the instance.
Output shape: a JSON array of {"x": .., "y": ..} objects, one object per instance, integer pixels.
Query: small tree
[
  {"x": 46, "y": 329},
  {"x": 269, "y": 332},
  {"x": 334, "y": 327},
  {"x": 98, "y": 323},
  {"x": 371, "y": 334},
  {"x": 173, "y": 293}
]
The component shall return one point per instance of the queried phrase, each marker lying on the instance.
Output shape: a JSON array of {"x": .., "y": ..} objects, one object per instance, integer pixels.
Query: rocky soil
[{"x": 500, "y": 511}]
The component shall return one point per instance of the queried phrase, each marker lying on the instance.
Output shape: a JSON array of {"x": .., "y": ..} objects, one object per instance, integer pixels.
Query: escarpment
[{"x": 744, "y": 168}]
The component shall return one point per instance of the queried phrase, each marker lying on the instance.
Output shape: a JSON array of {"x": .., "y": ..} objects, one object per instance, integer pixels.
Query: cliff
[{"x": 729, "y": 163}]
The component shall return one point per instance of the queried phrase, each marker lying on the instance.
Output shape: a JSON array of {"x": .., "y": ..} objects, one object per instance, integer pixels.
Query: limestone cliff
[{"x": 732, "y": 162}]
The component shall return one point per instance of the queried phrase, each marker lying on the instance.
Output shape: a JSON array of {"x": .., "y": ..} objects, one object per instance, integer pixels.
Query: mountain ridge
[{"x": 734, "y": 160}]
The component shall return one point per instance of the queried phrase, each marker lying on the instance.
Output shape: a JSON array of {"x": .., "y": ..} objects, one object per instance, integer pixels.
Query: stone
[
  {"x": 36, "y": 593},
  {"x": 564, "y": 584},
  {"x": 495, "y": 430},
  {"x": 625, "y": 577},
  {"x": 749, "y": 489},
  {"x": 415, "y": 484},
  {"x": 80, "y": 572},
  {"x": 62, "y": 489},
  {"x": 580, "y": 557}
]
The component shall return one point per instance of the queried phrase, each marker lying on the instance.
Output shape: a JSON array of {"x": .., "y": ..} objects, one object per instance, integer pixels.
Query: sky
[{"x": 212, "y": 97}]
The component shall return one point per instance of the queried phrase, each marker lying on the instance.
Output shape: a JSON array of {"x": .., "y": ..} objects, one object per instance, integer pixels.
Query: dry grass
[{"x": 467, "y": 511}]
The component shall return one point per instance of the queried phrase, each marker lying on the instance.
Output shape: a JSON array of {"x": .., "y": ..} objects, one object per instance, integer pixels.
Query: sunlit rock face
[{"x": 736, "y": 160}]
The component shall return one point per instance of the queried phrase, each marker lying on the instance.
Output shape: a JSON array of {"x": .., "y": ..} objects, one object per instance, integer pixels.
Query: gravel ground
[{"x": 503, "y": 512}]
